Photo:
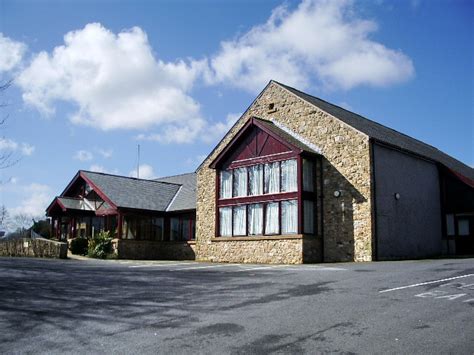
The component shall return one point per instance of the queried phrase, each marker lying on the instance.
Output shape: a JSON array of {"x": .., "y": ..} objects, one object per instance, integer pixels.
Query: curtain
[
  {"x": 256, "y": 180},
  {"x": 226, "y": 184},
  {"x": 240, "y": 222},
  {"x": 240, "y": 182},
  {"x": 225, "y": 221},
  {"x": 272, "y": 219},
  {"x": 174, "y": 228},
  {"x": 289, "y": 217},
  {"x": 289, "y": 177},
  {"x": 255, "y": 219},
  {"x": 308, "y": 175},
  {"x": 272, "y": 177},
  {"x": 308, "y": 216}
]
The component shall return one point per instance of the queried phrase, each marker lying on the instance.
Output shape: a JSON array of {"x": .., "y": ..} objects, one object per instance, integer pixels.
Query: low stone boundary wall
[
  {"x": 142, "y": 249},
  {"x": 39, "y": 248}
]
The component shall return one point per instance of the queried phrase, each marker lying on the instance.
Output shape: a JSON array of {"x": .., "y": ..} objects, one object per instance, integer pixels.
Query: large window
[{"x": 264, "y": 199}]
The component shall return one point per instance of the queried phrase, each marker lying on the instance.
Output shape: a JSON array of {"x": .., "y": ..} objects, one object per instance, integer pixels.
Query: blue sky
[{"x": 95, "y": 78}]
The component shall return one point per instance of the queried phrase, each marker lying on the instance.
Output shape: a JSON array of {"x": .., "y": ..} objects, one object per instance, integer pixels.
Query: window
[
  {"x": 256, "y": 180},
  {"x": 174, "y": 228},
  {"x": 272, "y": 178},
  {"x": 308, "y": 175},
  {"x": 240, "y": 182},
  {"x": 289, "y": 217},
  {"x": 450, "y": 224},
  {"x": 240, "y": 220},
  {"x": 225, "y": 219},
  {"x": 272, "y": 223},
  {"x": 226, "y": 184},
  {"x": 289, "y": 177},
  {"x": 463, "y": 227},
  {"x": 308, "y": 216},
  {"x": 255, "y": 219}
]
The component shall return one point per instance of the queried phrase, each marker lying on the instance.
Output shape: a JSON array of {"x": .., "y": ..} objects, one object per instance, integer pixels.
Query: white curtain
[
  {"x": 271, "y": 218},
  {"x": 256, "y": 180},
  {"x": 226, "y": 184},
  {"x": 255, "y": 219},
  {"x": 225, "y": 221},
  {"x": 308, "y": 175},
  {"x": 289, "y": 177},
  {"x": 308, "y": 216},
  {"x": 289, "y": 217},
  {"x": 240, "y": 182},
  {"x": 240, "y": 220},
  {"x": 272, "y": 177}
]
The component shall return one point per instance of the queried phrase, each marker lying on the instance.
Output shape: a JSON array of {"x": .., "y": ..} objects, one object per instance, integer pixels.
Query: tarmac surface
[{"x": 176, "y": 307}]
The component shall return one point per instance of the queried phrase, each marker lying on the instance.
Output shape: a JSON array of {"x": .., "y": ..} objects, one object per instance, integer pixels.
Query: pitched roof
[
  {"x": 127, "y": 192},
  {"x": 74, "y": 203},
  {"x": 384, "y": 134},
  {"x": 185, "y": 198}
]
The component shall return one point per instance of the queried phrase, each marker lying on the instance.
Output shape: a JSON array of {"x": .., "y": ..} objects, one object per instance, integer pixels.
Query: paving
[{"x": 176, "y": 307}]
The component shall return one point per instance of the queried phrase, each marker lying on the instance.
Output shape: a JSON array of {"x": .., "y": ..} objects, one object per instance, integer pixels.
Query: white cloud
[
  {"x": 83, "y": 155},
  {"x": 9, "y": 145},
  {"x": 146, "y": 172},
  {"x": 11, "y": 53},
  {"x": 119, "y": 84},
  {"x": 217, "y": 130},
  {"x": 36, "y": 198},
  {"x": 320, "y": 40},
  {"x": 101, "y": 169},
  {"x": 106, "y": 153}
]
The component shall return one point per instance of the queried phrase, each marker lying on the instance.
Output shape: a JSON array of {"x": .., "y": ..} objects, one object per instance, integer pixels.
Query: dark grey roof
[
  {"x": 127, "y": 192},
  {"x": 286, "y": 136},
  {"x": 384, "y": 134},
  {"x": 185, "y": 199},
  {"x": 74, "y": 203}
]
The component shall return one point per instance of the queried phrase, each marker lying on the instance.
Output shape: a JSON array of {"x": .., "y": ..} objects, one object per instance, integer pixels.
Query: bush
[
  {"x": 100, "y": 245},
  {"x": 78, "y": 246}
]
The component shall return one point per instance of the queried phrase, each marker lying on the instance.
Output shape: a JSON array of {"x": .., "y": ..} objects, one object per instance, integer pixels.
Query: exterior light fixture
[
  {"x": 396, "y": 195},
  {"x": 337, "y": 193}
]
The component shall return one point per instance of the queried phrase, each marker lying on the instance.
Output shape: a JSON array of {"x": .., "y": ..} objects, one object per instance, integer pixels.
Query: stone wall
[
  {"x": 39, "y": 248},
  {"x": 141, "y": 249},
  {"x": 346, "y": 168}
]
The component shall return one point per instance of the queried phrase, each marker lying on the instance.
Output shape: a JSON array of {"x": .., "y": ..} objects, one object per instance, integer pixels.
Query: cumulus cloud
[
  {"x": 83, "y": 155},
  {"x": 101, "y": 169},
  {"x": 11, "y": 53},
  {"x": 36, "y": 198},
  {"x": 105, "y": 153},
  {"x": 320, "y": 40},
  {"x": 219, "y": 129},
  {"x": 8, "y": 145},
  {"x": 146, "y": 172},
  {"x": 115, "y": 81}
]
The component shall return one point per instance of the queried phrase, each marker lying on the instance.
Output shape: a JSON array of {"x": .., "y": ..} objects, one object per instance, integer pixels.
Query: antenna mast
[{"x": 138, "y": 161}]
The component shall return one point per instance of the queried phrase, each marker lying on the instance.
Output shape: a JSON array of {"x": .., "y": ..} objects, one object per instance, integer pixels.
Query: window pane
[
  {"x": 255, "y": 219},
  {"x": 157, "y": 228},
  {"x": 240, "y": 220},
  {"x": 225, "y": 221},
  {"x": 289, "y": 217},
  {"x": 186, "y": 232},
  {"x": 308, "y": 175},
  {"x": 308, "y": 217},
  {"x": 240, "y": 182},
  {"x": 463, "y": 227},
  {"x": 289, "y": 177},
  {"x": 226, "y": 184},
  {"x": 272, "y": 219},
  {"x": 272, "y": 178},
  {"x": 450, "y": 224},
  {"x": 256, "y": 180},
  {"x": 174, "y": 228}
]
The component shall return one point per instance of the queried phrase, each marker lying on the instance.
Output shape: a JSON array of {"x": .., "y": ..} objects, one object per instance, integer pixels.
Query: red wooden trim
[
  {"x": 218, "y": 192},
  {"x": 258, "y": 199},
  {"x": 97, "y": 190},
  {"x": 263, "y": 160},
  {"x": 299, "y": 202}
]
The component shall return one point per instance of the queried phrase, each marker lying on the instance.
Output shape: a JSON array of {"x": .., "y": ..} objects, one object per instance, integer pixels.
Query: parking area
[{"x": 120, "y": 306}]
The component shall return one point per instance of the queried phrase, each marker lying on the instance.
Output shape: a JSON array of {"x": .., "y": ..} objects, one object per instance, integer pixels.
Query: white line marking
[{"x": 426, "y": 283}]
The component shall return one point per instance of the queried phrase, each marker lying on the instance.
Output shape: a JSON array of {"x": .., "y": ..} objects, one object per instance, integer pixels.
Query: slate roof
[
  {"x": 384, "y": 134},
  {"x": 127, "y": 192},
  {"x": 74, "y": 203},
  {"x": 185, "y": 198},
  {"x": 286, "y": 136}
]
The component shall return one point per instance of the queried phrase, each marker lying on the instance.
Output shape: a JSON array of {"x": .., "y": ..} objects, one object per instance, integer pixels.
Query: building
[{"x": 295, "y": 180}]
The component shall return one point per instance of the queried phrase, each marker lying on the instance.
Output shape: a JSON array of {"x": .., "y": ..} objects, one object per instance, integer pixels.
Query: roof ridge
[
  {"x": 170, "y": 176},
  {"x": 129, "y": 177}
]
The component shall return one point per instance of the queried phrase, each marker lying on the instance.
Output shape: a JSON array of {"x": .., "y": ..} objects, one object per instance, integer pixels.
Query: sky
[{"x": 92, "y": 80}]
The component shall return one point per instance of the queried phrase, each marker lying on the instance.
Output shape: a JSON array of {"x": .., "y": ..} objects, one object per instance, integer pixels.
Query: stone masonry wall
[
  {"x": 39, "y": 248},
  {"x": 346, "y": 168}
]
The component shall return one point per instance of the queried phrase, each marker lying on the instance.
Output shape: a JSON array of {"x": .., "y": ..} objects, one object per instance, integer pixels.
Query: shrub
[
  {"x": 78, "y": 246},
  {"x": 100, "y": 245}
]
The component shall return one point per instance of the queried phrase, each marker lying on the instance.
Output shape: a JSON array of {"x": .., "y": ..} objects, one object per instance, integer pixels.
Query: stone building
[{"x": 295, "y": 180}]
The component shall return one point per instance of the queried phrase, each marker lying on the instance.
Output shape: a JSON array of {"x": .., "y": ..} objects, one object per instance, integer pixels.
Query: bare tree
[
  {"x": 4, "y": 215},
  {"x": 6, "y": 157}
]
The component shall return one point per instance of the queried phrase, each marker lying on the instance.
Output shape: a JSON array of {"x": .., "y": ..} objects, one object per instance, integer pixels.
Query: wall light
[
  {"x": 337, "y": 193},
  {"x": 396, "y": 195}
]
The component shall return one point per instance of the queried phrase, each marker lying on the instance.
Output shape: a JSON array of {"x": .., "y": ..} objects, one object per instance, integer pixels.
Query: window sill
[{"x": 258, "y": 237}]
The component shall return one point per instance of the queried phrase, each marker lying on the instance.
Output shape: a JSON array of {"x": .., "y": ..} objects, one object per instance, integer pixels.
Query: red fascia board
[
  {"x": 56, "y": 201},
  {"x": 461, "y": 177},
  {"x": 97, "y": 190},
  {"x": 253, "y": 121},
  {"x": 282, "y": 196}
]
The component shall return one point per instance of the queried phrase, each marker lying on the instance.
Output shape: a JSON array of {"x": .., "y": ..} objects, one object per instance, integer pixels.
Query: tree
[{"x": 6, "y": 157}]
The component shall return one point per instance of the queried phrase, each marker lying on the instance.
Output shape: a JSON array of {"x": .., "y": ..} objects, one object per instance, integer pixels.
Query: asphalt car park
[{"x": 121, "y": 306}]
